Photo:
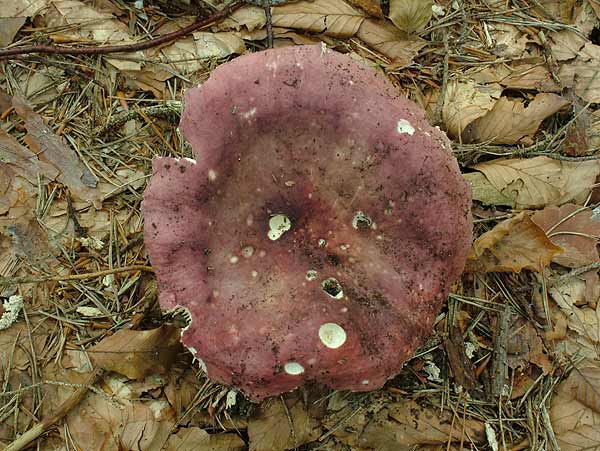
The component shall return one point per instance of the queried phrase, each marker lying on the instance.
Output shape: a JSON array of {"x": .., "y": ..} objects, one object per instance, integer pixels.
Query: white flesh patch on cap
[
  {"x": 293, "y": 368},
  {"x": 278, "y": 225},
  {"x": 361, "y": 221},
  {"x": 190, "y": 160},
  {"x": 212, "y": 175},
  {"x": 405, "y": 127},
  {"x": 311, "y": 274},
  {"x": 332, "y": 335}
]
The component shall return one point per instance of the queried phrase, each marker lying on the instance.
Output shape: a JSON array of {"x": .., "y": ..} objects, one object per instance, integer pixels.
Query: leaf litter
[{"x": 515, "y": 351}]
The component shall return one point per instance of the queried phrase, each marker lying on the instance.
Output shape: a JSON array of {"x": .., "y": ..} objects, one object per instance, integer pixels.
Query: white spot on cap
[
  {"x": 249, "y": 220},
  {"x": 247, "y": 251},
  {"x": 278, "y": 225},
  {"x": 190, "y": 160},
  {"x": 311, "y": 274},
  {"x": 322, "y": 242},
  {"x": 212, "y": 175},
  {"x": 293, "y": 368},
  {"x": 254, "y": 274},
  {"x": 365, "y": 382},
  {"x": 405, "y": 127},
  {"x": 233, "y": 259},
  {"x": 248, "y": 114},
  {"x": 332, "y": 335}
]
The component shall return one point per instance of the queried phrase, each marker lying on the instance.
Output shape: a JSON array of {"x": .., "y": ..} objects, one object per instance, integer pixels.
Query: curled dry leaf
[
  {"x": 514, "y": 244},
  {"x": 387, "y": 40},
  {"x": 466, "y": 101},
  {"x": 532, "y": 74},
  {"x": 332, "y": 17},
  {"x": 138, "y": 353},
  {"x": 533, "y": 182},
  {"x": 575, "y": 411},
  {"x": 410, "y": 15},
  {"x": 574, "y": 229},
  {"x": 510, "y": 120}
]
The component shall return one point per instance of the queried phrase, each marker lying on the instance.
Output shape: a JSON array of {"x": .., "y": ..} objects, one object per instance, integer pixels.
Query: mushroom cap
[{"x": 319, "y": 230}]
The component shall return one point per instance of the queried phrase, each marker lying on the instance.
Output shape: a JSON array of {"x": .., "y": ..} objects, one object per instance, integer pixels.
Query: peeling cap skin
[{"x": 317, "y": 233}]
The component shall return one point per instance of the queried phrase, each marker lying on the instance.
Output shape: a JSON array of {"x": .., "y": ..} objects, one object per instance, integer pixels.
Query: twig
[
  {"x": 62, "y": 410},
  {"x": 59, "y": 278},
  {"x": 102, "y": 50},
  {"x": 577, "y": 272}
]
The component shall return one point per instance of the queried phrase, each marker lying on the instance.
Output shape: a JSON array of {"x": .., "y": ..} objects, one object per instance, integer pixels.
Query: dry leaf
[
  {"x": 332, "y": 17},
  {"x": 574, "y": 229},
  {"x": 509, "y": 41},
  {"x": 531, "y": 75},
  {"x": 509, "y": 121},
  {"x": 466, "y": 101},
  {"x": 387, "y": 40},
  {"x": 269, "y": 428},
  {"x": 217, "y": 45},
  {"x": 196, "y": 439},
  {"x": 23, "y": 162},
  {"x": 138, "y": 353},
  {"x": 582, "y": 73},
  {"x": 512, "y": 245},
  {"x": 533, "y": 182},
  {"x": 371, "y": 7},
  {"x": 386, "y": 425},
  {"x": 575, "y": 411},
  {"x": 249, "y": 17},
  {"x": 410, "y": 15},
  {"x": 49, "y": 147},
  {"x": 524, "y": 346}
]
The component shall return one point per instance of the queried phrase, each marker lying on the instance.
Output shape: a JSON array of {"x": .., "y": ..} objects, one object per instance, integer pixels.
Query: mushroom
[{"x": 318, "y": 231}]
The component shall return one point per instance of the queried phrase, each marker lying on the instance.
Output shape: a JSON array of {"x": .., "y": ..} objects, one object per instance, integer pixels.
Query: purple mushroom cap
[{"x": 319, "y": 230}]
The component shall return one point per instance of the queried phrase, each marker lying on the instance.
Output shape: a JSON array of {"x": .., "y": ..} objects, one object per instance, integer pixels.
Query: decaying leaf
[
  {"x": 195, "y": 439},
  {"x": 533, "y": 182},
  {"x": 410, "y": 15},
  {"x": 532, "y": 74},
  {"x": 573, "y": 228},
  {"x": 49, "y": 147},
  {"x": 466, "y": 101},
  {"x": 387, "y": 40},
  {"x": 371, "y": 7},
  {"x": 582, "y": 73},
  {"x": 249, "y": 17},
  {"x": 13, "y": 15},
  {"x": 386, "y": 425},
  {"x": 575, "y": 411},
  {"x": 525, "y": 347},
  {"x": 332, "y": 17},
  {"x": 510, "y": 41},
  {"x": 138, "y": 353},
  {"x": 510, "y": 121},
  {"x": 512, "y": 245},
  {"x": 270, "y": 428}
]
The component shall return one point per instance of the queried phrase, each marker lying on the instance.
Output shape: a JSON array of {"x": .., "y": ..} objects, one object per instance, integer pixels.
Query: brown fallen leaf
[
  {"x": 383, "y": 37},
  {"x": 332, "y": 17},
  {"x": 400, "y": 425},
  {"x": 575, "y": 410},
  {"x": 533, "y": 182},
  {"x": 582, "y": 73},
  {"x": 138, "y": 353},
  {"x": 461, "y": 366},
  {"x": 270, "y": 428},
  {"x": 467, "y": 101},
  {"x": 249, "y": 17},
  {"x": 510, "y": 121},
  {"x": 50, "y": 148},
  {"x": 411, "y": 15},
  {"x": 530, "y": 74},
  {"x": 195, "y": 439},
  {"x": 13, "y": 16},
  {"x": 573, "y": 228},
  {"x": 371, "y": 7},
  {"x": 24, "y": 162},
  {"x": 525, "y": 347},
  {"x": 512, "y": 245}
]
